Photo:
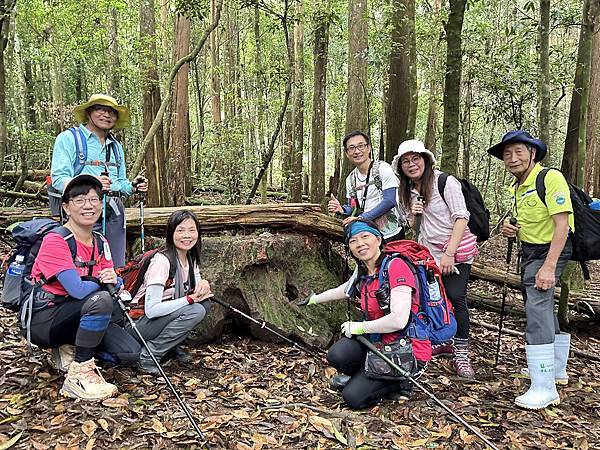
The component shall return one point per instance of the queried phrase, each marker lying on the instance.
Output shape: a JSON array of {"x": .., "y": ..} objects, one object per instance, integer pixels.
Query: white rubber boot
[
  {"x": 542, "y": 392},
  {"x": 562, "y": 345}
]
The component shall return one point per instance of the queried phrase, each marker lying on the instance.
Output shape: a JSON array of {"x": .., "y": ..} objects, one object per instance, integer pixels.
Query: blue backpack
[{"x": 54, "y": 196}]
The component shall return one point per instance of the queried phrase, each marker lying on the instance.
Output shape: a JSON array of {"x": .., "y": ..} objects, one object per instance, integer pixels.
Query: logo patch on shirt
[
  {"x": 559, "y": 198},
  {"x": 400, "y": 280}
]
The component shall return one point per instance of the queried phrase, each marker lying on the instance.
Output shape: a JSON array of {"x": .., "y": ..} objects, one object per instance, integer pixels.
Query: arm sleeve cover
[
  {"x": 75, "y": 286},
  {"x": 396, "y": 320},
  {"x": 388, "y": 202},
  {"x": 155, "y": 307},
  {"x": 337, "y": 293}
]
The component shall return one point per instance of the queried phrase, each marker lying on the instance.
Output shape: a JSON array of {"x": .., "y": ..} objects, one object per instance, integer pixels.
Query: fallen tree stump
[
  {"x": 305, "y": 217},
  {"x": 35, "y": 174},
  {"x": 265, "y": 276}
]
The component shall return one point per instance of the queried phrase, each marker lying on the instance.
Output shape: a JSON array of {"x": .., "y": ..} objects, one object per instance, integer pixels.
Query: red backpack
[
  {"x": 434, "y": 317},
  {"x": 133, "y": 274}
]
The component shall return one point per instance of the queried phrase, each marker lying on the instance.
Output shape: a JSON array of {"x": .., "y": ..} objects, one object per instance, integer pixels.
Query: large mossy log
[
  {"x": 265, "y": 276},
  {"x": 303, "y": 217}
]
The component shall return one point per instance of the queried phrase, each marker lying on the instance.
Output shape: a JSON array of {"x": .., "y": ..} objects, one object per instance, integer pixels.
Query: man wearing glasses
[
  {"x": 370, "y": 189},
  {"x": 92, "y": 149}
]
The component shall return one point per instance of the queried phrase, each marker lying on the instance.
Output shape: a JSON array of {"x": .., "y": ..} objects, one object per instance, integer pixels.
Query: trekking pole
[
  {"x": 114, "y": 293},
  {"x": 142, "y": 199},
  {"x": 418, "y": 220},
  {"x": 409, "y": 377},
  {"x": 104, "y": 197},
  {"x": 263, "y": 325},
  {"x": 509, "y": 249}
]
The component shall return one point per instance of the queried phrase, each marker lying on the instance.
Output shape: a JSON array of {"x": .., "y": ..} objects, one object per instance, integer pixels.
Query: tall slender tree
[
  {"x": 6, "y": 9},
  {"x": 156, "y": 159},
  {"x": 357, "y": 113},
  {"x": 592, "y": 161},
  {"x": 399, "y": 95},
  {"x": 321, "y": 46},
  {"x": 544, "y": 70},
  {"x": 295, "y": 184},
  {"x": 179, "y": 152},
  {"x": 451, "y": 130},
  {"x": 574, "y": 155}
]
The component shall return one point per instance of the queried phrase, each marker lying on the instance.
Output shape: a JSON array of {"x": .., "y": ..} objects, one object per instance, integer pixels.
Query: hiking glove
[
  {"x": 309, "y": 300},
  {"x": 350, "y": 328}
]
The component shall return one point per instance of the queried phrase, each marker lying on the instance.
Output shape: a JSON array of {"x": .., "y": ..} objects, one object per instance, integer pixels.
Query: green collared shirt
[{"x": 535, "y": 218}]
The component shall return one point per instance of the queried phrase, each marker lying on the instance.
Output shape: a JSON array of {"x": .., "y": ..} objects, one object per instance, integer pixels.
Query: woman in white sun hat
[{"x": 440, "y": 224}]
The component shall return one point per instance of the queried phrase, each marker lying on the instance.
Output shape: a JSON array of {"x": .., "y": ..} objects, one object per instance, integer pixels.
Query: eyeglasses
[
  {"x": 408, "y": 161},
  {"x": 105, "y": 110},
  {"x": 80, "y": 201},
  {"x": 360, "y": 147}
]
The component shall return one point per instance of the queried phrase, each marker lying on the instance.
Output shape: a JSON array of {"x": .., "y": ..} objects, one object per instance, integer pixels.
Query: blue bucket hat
[{"x": 523, "y": 137}]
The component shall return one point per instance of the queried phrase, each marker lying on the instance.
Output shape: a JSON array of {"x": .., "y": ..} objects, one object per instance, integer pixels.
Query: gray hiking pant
[
  {"x": 542, "y": 323},
  {"x": 164, "y": 333}
]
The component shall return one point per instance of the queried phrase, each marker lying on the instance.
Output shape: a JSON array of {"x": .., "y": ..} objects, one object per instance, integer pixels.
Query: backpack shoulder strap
[
  {"x": 376, "y": 175},
  {"x": 69, "y": 238},
  {"x": 443, "y": 178},
  {"x": 115, "y": 149},
  {"x": 540, "y": 185},
  {"x": 80, "y": 149}
]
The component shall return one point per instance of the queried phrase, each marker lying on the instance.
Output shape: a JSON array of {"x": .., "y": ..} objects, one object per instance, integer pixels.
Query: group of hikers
[{"x": 74, "y": 315}]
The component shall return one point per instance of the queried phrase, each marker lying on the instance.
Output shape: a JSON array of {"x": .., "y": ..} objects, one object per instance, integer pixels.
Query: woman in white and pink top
[
  {"x": 440, "y": 222},
  {"x": 173, "y": 295}
]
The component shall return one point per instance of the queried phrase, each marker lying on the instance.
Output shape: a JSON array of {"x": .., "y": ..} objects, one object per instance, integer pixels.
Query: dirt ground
[{"x": 246, "y": 394}]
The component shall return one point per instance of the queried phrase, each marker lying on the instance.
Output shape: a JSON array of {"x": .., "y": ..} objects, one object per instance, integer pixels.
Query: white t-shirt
[{"x": 388, "y": 223}]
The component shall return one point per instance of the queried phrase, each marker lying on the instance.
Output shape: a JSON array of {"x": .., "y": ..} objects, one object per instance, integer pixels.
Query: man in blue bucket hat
[{"x": 543, "y": 227}]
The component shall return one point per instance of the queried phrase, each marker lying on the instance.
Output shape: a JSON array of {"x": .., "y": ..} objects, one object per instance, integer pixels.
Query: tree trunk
[
  {"x": 431, "y": 128},
  {"x": 179, "y": 153},
  {"x": 544, "y": 77},
  {"x": 592, "y": 161},
  {"x": 260, "y": 138},
  {"x": 574, "y": 153},
  {"x": 295, "y": 185},
  {"x": 215, "y": 79},
  {"x": 6, "y": 9},
  {"x": 450, "y": 137},
  {"x": 156, "y": 160},
  {"x": 398, "y": 105},
  {"x": 317, "y": 169},
  {"x": 113, "y": 72},
  {"x": 357, "y": 114}
]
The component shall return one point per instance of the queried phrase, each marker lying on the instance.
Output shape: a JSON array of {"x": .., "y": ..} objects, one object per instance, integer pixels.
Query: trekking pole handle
[
  {"x": 511, "y": 241},
  {"x": 135, "y": 183}
]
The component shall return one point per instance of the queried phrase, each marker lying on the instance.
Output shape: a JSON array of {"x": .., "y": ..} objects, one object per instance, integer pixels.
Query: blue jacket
[{"x": 64, "y": 156}]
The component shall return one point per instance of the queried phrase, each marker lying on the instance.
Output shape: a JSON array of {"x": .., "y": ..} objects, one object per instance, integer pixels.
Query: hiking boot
[
  {"x": 84, "y": 381},
  {"x": 404, "y": 391},
  {"x": 461, "y": 362},
  {"x": 148, "y": 366},
  {"x": 63, "y": 356},
  {"x": 339, "y": 382},
  {"x": 443, "y": 350},
  {"x": 181, "y": 355}
]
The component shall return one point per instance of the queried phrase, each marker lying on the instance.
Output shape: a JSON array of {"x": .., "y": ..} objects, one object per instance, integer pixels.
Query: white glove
[{"x": 350, "y": 328}]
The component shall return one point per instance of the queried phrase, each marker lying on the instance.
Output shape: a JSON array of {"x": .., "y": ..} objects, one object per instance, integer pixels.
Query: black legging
[
  {"x": 456, "y": 289},
  {"x": 348, "y": 356}
]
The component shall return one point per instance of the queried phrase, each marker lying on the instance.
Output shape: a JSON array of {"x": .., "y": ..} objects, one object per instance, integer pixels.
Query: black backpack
[
  {"x": 479, "y": 219},
  {"x": 586, "y": 238}
]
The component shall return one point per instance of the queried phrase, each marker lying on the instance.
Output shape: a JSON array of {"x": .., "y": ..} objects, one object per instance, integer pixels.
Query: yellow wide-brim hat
[{"x": 105, "y": 100}]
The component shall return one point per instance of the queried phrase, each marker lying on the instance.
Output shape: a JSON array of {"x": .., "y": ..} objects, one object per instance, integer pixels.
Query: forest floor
[{"x": 248, "y": 394}]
